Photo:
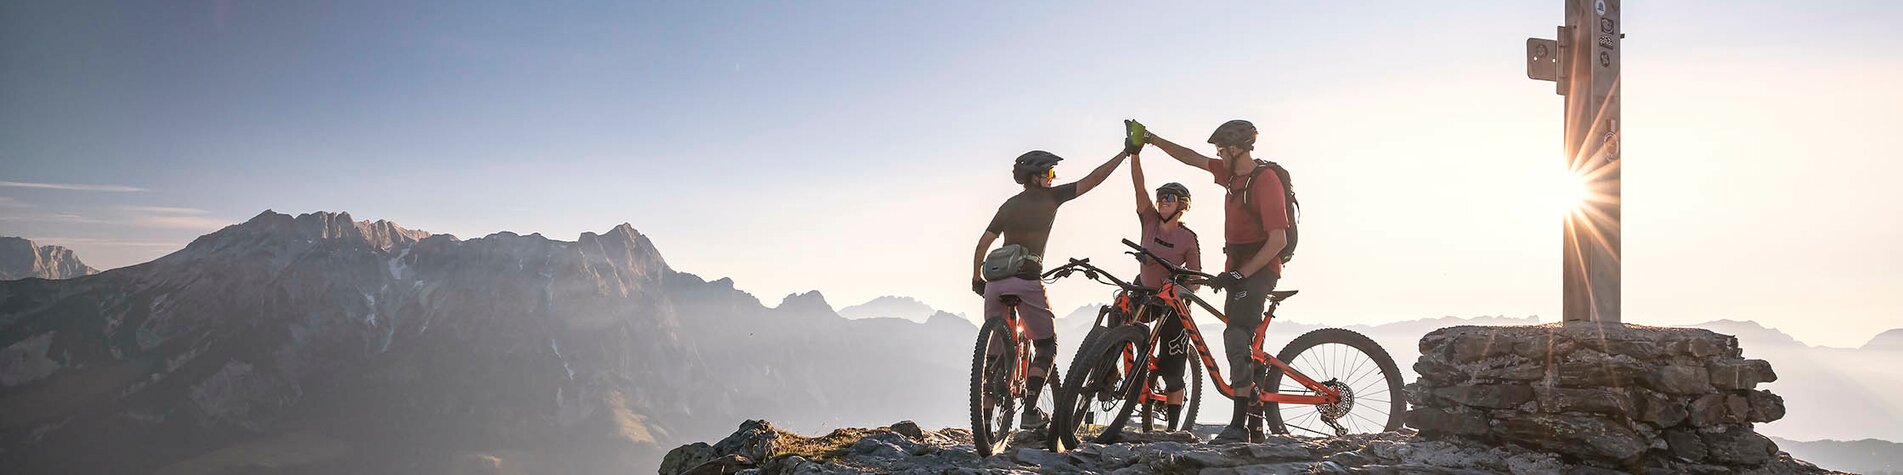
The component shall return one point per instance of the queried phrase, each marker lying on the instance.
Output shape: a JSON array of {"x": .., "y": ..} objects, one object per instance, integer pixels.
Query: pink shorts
[{"x": 1034, "y": 310}]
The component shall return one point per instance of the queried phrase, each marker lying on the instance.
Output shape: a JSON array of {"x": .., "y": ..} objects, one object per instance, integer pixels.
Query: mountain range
[
  {"x": 326, "y": 344},
  {"x": 316, "y": 343},
  {"x": 21, "y": 258}
]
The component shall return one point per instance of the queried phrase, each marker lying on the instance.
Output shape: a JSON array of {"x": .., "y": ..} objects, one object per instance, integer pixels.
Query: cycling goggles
[{"x": 1171, "y": 199}]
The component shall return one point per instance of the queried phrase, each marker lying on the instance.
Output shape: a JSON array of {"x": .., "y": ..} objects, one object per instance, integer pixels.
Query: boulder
[
  {"x": 1602, "y": 401},
  {"x": 1627, "y": 397},
  {"x": 686, "y": 457},
  {"x": 1679, "y": 379},
  {"x": 1498, "y": 396},
  {"x": 756, "y": 440},
  {"x": 1741, "y": 374},
  {"x": 908, "y": 429},
  {"x": 1456, "y": 421},
  {"x": 1765, "y": 407},
  {"x": 1735, "y": 446},
  {"x": 1586, "y": 437}
]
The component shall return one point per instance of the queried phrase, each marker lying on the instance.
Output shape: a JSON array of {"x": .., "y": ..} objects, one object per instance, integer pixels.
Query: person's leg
[
  {"x": 1034, "y": 311},
  {"x": 994, "y": 308},
  {"x": 1244, "y": 307},
  {"x": 1172, "y": 364}
]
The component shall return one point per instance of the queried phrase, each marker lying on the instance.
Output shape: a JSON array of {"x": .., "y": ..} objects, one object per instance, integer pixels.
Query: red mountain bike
[
  {"x": 1337, "y": 381},
  {"x": 1000, "y": 368}
]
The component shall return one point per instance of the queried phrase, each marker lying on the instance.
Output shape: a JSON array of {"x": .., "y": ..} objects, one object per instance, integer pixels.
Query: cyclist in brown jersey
[{"x": 1025, "y": 220}]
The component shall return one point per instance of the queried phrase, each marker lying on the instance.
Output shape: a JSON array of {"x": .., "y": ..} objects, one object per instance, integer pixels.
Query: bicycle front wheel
[
  {"x": 1349, "y": 363},
  {"x": 1104, "y": 384}
]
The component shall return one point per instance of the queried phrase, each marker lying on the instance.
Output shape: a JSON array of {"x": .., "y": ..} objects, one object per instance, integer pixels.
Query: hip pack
[{"x": 1007, "y": 261}]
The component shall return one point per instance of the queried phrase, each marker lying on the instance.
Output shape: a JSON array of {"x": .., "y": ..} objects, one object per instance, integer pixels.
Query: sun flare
[{"x": 1566, "y": 192}]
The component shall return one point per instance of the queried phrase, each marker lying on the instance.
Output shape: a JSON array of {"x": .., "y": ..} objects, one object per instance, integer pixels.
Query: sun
[{"x": 1566, "y": 192}]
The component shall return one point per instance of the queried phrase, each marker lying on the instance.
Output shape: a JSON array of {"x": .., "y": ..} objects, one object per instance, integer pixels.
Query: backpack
[{"x": 1291, "y": 206}]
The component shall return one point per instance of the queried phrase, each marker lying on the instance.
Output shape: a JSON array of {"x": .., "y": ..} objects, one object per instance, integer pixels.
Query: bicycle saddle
[
  {"x": 1280, "y": 295},
  {"x": 1010, "y": 299}
]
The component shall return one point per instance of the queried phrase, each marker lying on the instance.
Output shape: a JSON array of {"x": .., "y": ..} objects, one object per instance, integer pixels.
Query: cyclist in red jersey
[{"x": 1254, "y": 235}]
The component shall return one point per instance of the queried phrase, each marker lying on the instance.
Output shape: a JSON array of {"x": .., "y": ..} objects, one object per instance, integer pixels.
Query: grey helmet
[
  {"x": 1032, "y": 163},
  {"x": 1173, "y": 188},
  {"x": 1239, "y": 133},
  {"x": 1182, "y": 194}
]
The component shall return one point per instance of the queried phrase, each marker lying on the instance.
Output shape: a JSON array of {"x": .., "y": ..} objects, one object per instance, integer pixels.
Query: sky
[{"x": 859, "y": 148}]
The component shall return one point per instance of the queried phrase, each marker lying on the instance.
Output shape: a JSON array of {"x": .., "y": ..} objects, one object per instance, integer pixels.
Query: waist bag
[{"x": 1007, "y": 261}]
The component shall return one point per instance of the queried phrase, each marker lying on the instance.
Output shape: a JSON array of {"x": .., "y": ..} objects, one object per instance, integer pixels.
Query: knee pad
[
  {"x": 1237, "y": 342},
  {"x": 1043, "y": 351},
  {"x": 1173, "y": 383}
]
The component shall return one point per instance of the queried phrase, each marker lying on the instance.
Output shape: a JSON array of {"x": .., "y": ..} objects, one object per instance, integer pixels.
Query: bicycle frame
[
  {"x": 1169, "y": 293},
  {"x": 1175, "y": 299},
  {"x": 1013, "y": 335}
]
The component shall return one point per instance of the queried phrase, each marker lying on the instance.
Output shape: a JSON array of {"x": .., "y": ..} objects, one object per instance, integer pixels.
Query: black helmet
[
  {"x": 1173, "y": 188},
  {"x": 1237, "y": 132},
  {"x": 1032, "y": 163}
]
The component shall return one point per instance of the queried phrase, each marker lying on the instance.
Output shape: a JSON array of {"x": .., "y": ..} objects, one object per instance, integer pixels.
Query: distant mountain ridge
[
  {"x": 21, "y": 258},
  {"x": 1887, "y": 341},
  {"x": 1867, "y": 456},
  {"x": 357, "y": 346},
  {"x": 890, "y": 306}
]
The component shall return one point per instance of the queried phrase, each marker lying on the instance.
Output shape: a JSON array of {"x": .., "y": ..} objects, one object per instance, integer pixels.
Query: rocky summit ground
[{"x": 904, "y": 448}]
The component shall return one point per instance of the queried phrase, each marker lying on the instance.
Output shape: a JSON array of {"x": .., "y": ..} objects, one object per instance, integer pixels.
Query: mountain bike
[
  {"x": 1000, "y": 369},
  {"x": 1141, "y": 305},
  {"x": 1328, "y": 382}
]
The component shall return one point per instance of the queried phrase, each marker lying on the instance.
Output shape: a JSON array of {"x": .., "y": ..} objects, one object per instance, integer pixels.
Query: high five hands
[{"x": 1134, "y": 136}]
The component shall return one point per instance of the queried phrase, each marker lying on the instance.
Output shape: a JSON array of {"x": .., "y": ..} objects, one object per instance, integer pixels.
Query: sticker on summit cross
[{"x": 1605, "y": 41}]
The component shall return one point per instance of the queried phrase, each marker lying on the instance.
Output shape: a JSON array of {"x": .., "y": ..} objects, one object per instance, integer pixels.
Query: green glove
[{"x": 1134, "y": 135}]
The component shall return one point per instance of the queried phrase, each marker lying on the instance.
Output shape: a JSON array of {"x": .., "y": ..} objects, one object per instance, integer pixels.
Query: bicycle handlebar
[
  {"x": 1090, "y": 271},
  {"x": 1174, "y": 269}
]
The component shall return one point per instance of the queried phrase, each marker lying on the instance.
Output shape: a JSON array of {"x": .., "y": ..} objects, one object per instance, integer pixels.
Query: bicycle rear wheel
[
  {"x": 993, "y": 363},
  {"x": 1350, "y": 363}
]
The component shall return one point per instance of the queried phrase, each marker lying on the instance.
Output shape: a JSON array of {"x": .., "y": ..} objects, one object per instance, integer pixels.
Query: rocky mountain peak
[
  {"x": 809, "y": 302},
  {"x": 21, "y": 258},
  {"x": 624, "y": 242}
]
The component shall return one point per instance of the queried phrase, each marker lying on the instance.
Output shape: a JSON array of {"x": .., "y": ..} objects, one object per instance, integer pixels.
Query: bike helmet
[
  {"x": 1173, "y": 188},
  {"x": 1237, "y": 132},
  {"x": 1032, "y": 163}
]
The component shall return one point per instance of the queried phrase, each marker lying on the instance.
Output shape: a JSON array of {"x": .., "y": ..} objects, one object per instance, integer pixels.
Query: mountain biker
[
  {"x": 1165, "y": 236},
  {"x": 1254, "y": 236},
  {"x": 1025, "y": 220}
]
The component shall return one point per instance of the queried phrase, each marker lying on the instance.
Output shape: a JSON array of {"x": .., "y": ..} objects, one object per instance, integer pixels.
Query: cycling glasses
[{"x": 1171, "y": 199}]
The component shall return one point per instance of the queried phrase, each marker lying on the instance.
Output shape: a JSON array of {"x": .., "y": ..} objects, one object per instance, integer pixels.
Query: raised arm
[
  {"x": 1100, "y": 174},
  {"x": 1144, "y": 206},
  {"x": 1180, "y": 153}
]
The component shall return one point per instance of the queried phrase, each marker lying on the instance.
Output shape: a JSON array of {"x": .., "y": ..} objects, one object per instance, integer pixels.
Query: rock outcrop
[
  {"x": 761, "y": 449},
  {"x": 1607, "y": 395},
  {"x": 21, "y": 259}
]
